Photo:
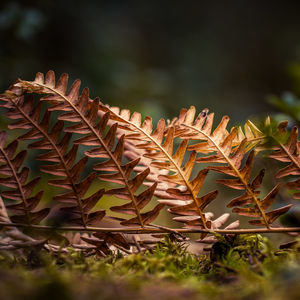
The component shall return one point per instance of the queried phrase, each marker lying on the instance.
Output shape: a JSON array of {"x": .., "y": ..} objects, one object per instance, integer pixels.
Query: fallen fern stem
[{"x": 151, "y": 230}]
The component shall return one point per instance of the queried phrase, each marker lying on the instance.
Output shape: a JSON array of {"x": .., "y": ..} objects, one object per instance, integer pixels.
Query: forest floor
[{"x": 246, "y": 267}]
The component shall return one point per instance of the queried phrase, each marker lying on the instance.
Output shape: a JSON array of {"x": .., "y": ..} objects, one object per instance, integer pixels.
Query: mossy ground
[{"x": 243, "y": 267}]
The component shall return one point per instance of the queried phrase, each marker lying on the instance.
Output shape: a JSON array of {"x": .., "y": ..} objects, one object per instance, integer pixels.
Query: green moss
[{"x": 240, "y": 267}]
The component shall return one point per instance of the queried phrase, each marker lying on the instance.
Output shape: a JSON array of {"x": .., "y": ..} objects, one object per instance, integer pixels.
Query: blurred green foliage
[{"x": 288, "y": 104}]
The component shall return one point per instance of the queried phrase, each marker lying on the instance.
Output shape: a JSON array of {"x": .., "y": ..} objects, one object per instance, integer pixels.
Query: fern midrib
[
  {"x": 282, "y": 146},
  {"x": 103, "y": 145},
  {"x": 36, "y": 125},
  {"x": 25, "y": 204},
  {"x": 178, "y": 168},
  {"x": 289, "y": 155},
  {"x": 245, "y": 183}
]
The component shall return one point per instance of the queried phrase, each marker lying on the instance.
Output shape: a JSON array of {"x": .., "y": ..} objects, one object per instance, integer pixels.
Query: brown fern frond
[
  {"x": 28, "y": 116},
  {"x": 223, "y": 147},
  {"x": 15, "y": 178},
  {"x": 139, "y": 161},
  {"x": 175, "y": 186},
  {"x": 79, "y": 109},
  {"x": 287, "y": 150}
]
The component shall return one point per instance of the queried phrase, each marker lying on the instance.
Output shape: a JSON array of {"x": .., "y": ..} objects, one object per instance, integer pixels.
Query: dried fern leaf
[
  {"x": 155, "y": 167},
  {"x": 221, "y": 147},
  {"x": 20, "y": 190},
  {"x": 174, "y": 176},
  {"x": 287, "y": 150},
  {"x": 79, "y": 109},
  {"x": 28, "y": 116}
]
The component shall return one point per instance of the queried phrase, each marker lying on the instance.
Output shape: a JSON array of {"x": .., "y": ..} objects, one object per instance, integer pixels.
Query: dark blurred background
[{"x": 158, "y": 56}]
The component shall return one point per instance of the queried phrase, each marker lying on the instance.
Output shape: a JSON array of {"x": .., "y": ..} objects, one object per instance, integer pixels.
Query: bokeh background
[{"x": 156, "y": 57}]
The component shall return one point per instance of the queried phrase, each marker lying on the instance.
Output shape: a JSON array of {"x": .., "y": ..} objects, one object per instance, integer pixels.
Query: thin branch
[{"x": 149, "y": 230}]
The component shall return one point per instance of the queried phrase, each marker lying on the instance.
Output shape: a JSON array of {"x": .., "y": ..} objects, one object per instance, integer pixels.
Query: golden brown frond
[
  {"x": 28, "y": 116},
  {"x": 223, "y": 147},
  {"x": 19, "y": 190},
  {"x": 287, "y": 150},
  {"x": 78, "y": 108},
  {"x": 174, "y": 176},
  {"x": 139, "y": 161}
]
